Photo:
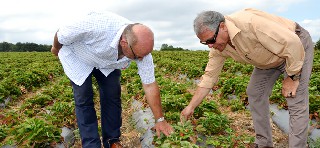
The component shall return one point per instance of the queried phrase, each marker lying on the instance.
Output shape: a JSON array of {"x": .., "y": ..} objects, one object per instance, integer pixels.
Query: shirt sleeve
[
  {"x": 282, "y": 42},
  {"x": 213, "y": 69},
  {"x": 146, "y": 69}
]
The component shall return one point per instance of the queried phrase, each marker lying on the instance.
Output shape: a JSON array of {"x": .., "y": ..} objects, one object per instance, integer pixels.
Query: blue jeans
[{"x": 110, "y": 103}]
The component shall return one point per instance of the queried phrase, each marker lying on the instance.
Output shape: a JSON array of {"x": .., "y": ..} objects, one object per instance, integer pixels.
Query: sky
[{"x": 36, "y": 21}]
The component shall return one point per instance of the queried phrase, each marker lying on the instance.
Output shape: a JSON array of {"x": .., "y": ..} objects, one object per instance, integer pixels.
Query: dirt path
[{"x": 242, "y": 124}]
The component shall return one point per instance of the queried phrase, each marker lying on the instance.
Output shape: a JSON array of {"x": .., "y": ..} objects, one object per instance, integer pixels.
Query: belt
[{"x": 298, "y": 29}]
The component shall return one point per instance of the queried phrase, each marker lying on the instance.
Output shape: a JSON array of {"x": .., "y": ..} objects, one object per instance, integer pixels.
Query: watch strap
[{"x": 295, "y": 77}]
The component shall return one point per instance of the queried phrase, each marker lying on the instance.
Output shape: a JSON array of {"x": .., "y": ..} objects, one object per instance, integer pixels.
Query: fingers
[
  {"x": 185, "y": 115},
  {"x": 153, "y": 129},
  {"x": 289, "y": 88},
  {"x": 293, "y": 94},
  {"x": 287, "y": 95},
  {"x": 170, "y": 131},
  {"x": 158, "y": 133},
  {"x": 283, "y": 94},
  {"x": 183, "y": 118},
  {"x": 165, "y": 128},
  {"x": 166, "y": 132},
  {"x": 290, "y": 95}
]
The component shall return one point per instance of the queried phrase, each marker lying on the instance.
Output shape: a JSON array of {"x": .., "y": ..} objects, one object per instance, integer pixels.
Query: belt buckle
[{"x": 298, "y": 29}]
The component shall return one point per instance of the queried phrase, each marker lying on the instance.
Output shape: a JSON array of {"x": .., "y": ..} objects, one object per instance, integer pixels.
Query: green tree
[
  {"x": 23, "y": 47},
  {"x": 166, "y": 47},
  {"x": 19, "y": 47},
  {"x": 5, "y": 46},
  {"x": 317, "y": 46}
]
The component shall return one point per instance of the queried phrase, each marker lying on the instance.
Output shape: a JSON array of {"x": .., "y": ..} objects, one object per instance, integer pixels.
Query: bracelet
[{"x": 160, "y": 119}]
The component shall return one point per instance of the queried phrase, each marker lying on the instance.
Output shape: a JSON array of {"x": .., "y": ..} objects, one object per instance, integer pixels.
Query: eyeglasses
[
  {"x": 134, "y": 55},
  {"x": 213, "y": 39}
]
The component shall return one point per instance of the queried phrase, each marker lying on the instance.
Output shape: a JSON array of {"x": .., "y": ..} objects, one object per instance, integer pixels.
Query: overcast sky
[{"x": 171, "y": 20}]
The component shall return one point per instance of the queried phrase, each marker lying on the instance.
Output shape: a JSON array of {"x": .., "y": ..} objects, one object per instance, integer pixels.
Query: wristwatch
[
  {"x": 295, "y": 77},
  {"x": 160, "y": 119}
]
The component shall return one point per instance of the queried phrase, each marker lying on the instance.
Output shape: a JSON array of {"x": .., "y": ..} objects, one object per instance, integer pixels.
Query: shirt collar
[{"x": 233, "y": 30}]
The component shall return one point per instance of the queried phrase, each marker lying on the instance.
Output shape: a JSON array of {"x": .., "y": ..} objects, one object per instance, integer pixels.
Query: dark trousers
[{"x": 110, "y": 103}]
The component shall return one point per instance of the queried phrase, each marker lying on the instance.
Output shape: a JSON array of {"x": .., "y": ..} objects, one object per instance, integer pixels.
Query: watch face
[
  {"x": 295, "y": 77},
  {"x": 160, "y": 119}
]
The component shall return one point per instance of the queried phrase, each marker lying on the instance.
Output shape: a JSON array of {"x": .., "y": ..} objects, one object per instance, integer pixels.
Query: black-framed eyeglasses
[
  {"x": 134, "y": 55},
  {"x": 213, "y": 39}
]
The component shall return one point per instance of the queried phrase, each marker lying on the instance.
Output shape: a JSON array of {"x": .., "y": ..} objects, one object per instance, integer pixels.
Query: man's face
[
  {"x": 217, "y": 39},
  {"x": 144, "y": 44},
  {"x": 138, "y": 51}
]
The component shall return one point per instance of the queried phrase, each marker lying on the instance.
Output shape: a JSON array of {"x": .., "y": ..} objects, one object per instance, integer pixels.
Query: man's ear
[
  {"x": 223, "y": 26},
  {"x": 123, "y": 42}
]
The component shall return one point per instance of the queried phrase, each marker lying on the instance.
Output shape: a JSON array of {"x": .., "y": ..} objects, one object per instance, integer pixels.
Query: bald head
[
  {"x": 139, "y": 37},
  {"x": 144, "y": 38}
]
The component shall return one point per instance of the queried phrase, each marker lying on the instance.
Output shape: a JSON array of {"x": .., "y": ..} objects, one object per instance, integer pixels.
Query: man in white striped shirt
[{"x": 100, "y": 45}]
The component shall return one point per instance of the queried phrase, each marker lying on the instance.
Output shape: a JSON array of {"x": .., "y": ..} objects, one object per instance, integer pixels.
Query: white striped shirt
[{"x": 92, "y": 42}]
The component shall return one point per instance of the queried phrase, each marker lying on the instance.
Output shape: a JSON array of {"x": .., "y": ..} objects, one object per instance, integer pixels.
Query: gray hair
[
  {"x": 207, "y": 20},
  {"x": 130, "y": 36}
]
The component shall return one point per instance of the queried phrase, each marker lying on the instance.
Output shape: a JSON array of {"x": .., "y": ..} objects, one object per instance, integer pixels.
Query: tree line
[
  {"x": 23, "y": 47},
  {"x": 28, "y": 47},
  {"x": 166, "y": 47}
]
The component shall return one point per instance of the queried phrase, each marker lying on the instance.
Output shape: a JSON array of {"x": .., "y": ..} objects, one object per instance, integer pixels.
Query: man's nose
[{"x": 210, "y": 45}]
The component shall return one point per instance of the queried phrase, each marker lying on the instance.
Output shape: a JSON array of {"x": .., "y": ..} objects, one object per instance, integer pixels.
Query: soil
[{"x": 241, "y": 124}]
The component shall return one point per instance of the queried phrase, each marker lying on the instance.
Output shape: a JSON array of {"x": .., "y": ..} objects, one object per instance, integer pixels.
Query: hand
[
  {"x": 289, "y": 87},
  {"x": 54, "y": 50},
  {"x": 186, "y": 113},
  {"x": 163, "y": 127}
]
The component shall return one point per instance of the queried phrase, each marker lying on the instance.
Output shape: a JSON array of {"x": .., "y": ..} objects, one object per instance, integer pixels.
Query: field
[{"x": 41, "y": 100}]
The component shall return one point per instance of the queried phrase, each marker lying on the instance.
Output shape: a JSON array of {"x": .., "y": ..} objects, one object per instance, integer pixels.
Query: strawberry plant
[
  {"x": 213, "y": 123},
  {"x": 228, "y": 139},
  {"x": 206, "y": 106},
  {"x": 52, "y": 107},
  {"x": 35, "y": 132},
  {"x": 184, "y": 133}
]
